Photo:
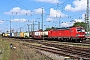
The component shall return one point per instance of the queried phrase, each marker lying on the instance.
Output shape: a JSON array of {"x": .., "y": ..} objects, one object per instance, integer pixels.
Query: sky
[{"x": 50, "y": 13}]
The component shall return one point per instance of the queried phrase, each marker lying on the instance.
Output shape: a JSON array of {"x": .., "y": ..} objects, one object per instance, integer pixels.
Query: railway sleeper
[{"x": 85, "y": 55}]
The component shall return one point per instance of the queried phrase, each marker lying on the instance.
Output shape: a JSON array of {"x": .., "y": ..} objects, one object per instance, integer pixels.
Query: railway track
[
  {"x": 75, "y": 54},
  {"x": 70, "y": 50},
  {"x": 64, "y": 49},
  {"x": 45, "y": 42},
  {"x": 86, "y": 41}
]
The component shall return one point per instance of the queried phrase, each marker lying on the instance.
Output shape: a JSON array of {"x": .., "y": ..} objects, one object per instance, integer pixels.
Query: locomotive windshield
[{"x": 80, "y": 30}]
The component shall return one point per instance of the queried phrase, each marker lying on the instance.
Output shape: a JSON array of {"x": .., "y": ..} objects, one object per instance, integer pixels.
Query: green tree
[
  {"x": 80, "y": 24},
  {"x": 49, "y": 28}
]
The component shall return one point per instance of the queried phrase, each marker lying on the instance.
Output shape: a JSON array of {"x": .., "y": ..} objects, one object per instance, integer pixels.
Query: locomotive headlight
[{"x": 77, "y": 35}]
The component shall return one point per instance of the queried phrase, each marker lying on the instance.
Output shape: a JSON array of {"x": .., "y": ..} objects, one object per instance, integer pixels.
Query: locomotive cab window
[
  {"x": 80, "y": 30},
  {"x": 83, "y": 30}
]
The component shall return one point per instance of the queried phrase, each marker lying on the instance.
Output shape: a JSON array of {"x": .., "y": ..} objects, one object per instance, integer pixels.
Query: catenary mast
[{"x": 87, "y": 15}]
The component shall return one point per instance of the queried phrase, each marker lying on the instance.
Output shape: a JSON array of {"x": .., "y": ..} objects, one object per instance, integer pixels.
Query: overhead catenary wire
[
  {"x": 26, "y": 8},
  {"x": 20, "y": 4},
  {"x": 63, "y": 10},
  {"x": 42, "y": 6},
  {"x": 6, "y": 5}
]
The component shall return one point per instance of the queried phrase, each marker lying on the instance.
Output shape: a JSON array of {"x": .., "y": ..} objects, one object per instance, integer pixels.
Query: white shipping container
[
  {"x": 37, "y": 34},
  {"x": 8, "y": 34},
  {"x": 12, "y": 34},
  {"x": 44, "y": 33}
]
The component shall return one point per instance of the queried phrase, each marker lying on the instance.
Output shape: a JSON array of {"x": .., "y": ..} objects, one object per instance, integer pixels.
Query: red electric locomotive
[{"x": 68, "y": 34}]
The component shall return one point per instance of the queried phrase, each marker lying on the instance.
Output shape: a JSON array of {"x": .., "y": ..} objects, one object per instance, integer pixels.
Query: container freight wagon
[
  {"x": 68, "y": 34},
  {"x": 40, "y": 34},
  {"x": 11, "y": 34},
  {"x": 26, "y": 35},
  {"x": 17, "y": 35},
  {"x": 21, "y": 34},
  {"x": 5, "y": 35}
]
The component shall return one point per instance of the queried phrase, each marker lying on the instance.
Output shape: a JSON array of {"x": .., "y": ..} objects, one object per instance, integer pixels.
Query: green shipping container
[
  {"x": 26, "y": 35},
  {"x": 18, "y": 34}
]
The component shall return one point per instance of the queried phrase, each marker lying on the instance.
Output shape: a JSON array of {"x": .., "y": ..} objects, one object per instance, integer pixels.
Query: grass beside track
[
  {"x": 20, "y": 53},
  {"x": 4, "y": 49}
]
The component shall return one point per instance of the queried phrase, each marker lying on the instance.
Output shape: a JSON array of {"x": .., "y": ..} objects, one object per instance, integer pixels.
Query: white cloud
[
  {"x": 49, "y": 1},
  {"x": 79, "y": 5},
  {"x": 49, "y": 19},
  {"x": 19, "y": 20},
  {"x": 38, "y": 11},
  {"x": 78, "y": 20},
  {"x": 66, "y": 24},
  {"x": 81, "y": 19},
  {"x": 1, "y": 21},
  {"x": 18, "y": 11},
  {"x": 56, "y": 13}
]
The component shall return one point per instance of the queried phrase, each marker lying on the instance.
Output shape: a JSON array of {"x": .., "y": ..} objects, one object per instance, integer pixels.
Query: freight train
[{"x": 62, "y": 34}]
